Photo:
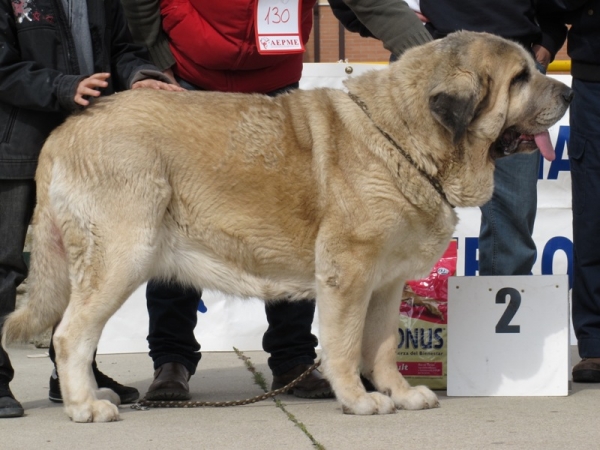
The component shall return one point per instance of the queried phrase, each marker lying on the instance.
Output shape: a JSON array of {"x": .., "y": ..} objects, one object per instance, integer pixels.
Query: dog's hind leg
[
  {"x": 379, "y": 347},
  {"x": 74, "y": 353},
  {"x": 113, "y": 247},
  {"x": 78, "y": 333}
]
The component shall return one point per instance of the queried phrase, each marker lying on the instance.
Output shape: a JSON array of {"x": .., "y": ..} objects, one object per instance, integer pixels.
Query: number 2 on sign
[
  {"x": 503, "y": 325},
  {"x": 274, "y": 15}
]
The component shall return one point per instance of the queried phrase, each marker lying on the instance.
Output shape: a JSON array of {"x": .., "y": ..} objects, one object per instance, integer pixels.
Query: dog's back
[{"x": 153, "y": 184}]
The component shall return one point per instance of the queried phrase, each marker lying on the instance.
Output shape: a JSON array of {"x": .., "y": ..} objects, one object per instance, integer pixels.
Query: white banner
[{"x": 232, "y": 322}]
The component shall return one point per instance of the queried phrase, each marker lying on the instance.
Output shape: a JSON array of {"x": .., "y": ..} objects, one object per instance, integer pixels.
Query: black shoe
[
  {"x": 314, "y": 385},
  {"x": 367, "y": 384},
  {"x": 587, "y": 371},
  {"x": 9, "y": 406},
  {"x": 170, "y": 383},
  {"x": 127, "y": 394}
]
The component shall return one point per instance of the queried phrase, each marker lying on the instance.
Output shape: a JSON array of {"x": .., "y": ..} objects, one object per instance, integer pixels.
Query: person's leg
[
  {"x": 288, "y": 338},
  {"x": 505, "y": 243},
  {"x": 291, "y": 344},
  {"x": 17, "y": 200},
  {"x": 584, "y": 156},
  {"x": 173, "y": 314}
]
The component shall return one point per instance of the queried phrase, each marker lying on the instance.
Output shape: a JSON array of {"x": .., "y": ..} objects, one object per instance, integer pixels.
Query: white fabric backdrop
[{"x": 233, "y": 322}]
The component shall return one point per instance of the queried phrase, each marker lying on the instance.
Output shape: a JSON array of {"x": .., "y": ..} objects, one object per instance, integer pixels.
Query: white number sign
[{"x": 508, "y": 336}]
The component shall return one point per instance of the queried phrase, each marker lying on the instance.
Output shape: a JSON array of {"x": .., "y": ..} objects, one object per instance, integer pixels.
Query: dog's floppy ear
[{"x": 453, "y": 104}]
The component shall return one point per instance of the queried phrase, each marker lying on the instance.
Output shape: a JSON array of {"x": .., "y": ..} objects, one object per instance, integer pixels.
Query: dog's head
[
  {"x": 489, "y": 87},
  {"x": 458, "y": 103}
]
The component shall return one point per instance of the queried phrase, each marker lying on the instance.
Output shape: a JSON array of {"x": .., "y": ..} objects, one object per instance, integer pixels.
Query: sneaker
[
  {"x": 587, "y": 371},
  {"x": 127, "y": 394},
  {"x": 367, "y": 384},
  {"x": 9, "y": 406}
]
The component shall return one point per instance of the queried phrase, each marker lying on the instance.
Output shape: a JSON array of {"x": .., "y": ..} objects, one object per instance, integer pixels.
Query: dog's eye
[{"x": 521, "y": 77}]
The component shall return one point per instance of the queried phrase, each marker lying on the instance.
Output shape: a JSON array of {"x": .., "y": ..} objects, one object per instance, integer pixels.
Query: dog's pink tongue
[{"x": 543, "y": 142}]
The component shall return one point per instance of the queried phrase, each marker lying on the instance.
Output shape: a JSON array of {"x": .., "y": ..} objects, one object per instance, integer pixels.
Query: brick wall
[{"x": 357, "y": 48}]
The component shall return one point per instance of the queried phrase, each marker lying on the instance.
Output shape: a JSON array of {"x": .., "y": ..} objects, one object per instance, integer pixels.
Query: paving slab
[{"x": 293, "y": 423}]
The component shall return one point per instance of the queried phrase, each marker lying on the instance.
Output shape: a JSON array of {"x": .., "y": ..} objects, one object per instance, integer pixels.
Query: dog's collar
[{"x": 432, "y": 180}]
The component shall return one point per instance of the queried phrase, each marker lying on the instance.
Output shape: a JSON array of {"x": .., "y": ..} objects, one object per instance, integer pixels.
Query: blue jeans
[
  {"x": 17, "y": 200},
  {"x": 172, "y": 309},
  {"x": 584, "y": 157},
  {"x": 505, "y": 243}
]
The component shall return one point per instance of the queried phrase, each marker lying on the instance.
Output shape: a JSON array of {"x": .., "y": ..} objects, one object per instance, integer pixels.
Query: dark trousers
[
  {"x": 584, "y": 156},
  {"x": 173, "y": 312},
  {"x": 17, "y": 200},
  {"x": 288, "y": 338},
  {"x": 173, "y": 316}
]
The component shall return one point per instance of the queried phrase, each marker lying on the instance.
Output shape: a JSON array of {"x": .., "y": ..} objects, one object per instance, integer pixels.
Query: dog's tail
[{"x": 48, "y": 283}]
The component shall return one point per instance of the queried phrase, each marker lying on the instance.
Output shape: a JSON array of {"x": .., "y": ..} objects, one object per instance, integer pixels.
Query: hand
[
  {"x": 89, "y": 87},
  {"x": 155, "y": 84},
  {"x": 421, "y": 17},
  {"x": 542, "y": 55}
]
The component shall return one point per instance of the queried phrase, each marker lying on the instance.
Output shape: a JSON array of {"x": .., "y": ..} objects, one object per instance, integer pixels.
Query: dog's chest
[{"x": 416, "y": 247}]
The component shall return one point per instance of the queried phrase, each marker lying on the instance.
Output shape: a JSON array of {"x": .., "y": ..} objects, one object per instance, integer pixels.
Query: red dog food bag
[{"x": 422, "y": 351}]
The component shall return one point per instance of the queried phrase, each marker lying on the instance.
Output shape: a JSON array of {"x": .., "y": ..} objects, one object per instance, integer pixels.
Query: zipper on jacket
[
  {"x": 12, "y": 117},
  {"x": 67, "y": 35}
]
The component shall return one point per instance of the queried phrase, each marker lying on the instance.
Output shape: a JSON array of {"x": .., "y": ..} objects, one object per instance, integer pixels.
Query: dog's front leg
[
  {"x": 342, "y": 299},
  {"x": 379, "y": 347}
]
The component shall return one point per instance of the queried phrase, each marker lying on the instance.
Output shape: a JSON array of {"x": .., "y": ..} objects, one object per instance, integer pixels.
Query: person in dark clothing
[
  {"x": 55, "y": 56},
  {"x": 506, "y": 246},
  {"x": 583, "y": 47}
]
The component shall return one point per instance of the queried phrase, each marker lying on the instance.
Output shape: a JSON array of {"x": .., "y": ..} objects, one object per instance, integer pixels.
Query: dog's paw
[
  {"x": 369, "y": 404},
  {"x": 418, "y": 397},
  {"x": 96, "y": 411}
]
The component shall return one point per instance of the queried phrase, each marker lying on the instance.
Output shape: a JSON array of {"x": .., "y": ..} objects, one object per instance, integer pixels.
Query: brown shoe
[
  {"x": 587, "y": 371},
  {"x": 314, "y": 385},
  {"x": 170, "y": 383}
]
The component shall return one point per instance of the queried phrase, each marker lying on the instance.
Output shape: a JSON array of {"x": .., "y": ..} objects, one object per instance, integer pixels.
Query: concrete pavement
[{"x": 460, "y": 423}]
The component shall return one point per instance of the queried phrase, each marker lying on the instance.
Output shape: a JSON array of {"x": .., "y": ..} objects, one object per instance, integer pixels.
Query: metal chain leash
[
  {"x": 432, "y": 180},
  {"x": 144, "y": 405}
]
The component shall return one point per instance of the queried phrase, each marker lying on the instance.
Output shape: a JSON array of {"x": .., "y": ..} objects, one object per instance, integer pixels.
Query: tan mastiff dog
[{"x": 320, "y": 193}]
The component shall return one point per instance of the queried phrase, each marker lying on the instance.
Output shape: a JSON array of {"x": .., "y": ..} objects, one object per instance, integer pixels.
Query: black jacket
[
  {"x": 511, "y": 19},
  {"x": 583, "y": 44},
  {"x": 39, "y": 72},
  {"x": 348, "y": 19}
]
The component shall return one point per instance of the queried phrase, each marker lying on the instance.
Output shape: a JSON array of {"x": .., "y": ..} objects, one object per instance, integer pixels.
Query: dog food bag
[{"x": 422, "y": 351}]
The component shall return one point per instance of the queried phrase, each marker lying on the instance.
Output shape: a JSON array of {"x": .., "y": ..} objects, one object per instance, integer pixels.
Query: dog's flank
[{"x": 297, "y": 196}]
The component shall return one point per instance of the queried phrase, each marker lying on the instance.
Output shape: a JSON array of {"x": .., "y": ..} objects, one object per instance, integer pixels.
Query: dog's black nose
[{"x": 567, "y": 94}]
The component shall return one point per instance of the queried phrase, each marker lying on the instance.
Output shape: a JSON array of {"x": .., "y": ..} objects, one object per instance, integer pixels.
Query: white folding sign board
[{"x": 508, "y": 336}]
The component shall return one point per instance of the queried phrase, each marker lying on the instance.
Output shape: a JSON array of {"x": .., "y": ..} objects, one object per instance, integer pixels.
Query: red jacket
[{"x": 214, "y": 46}]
